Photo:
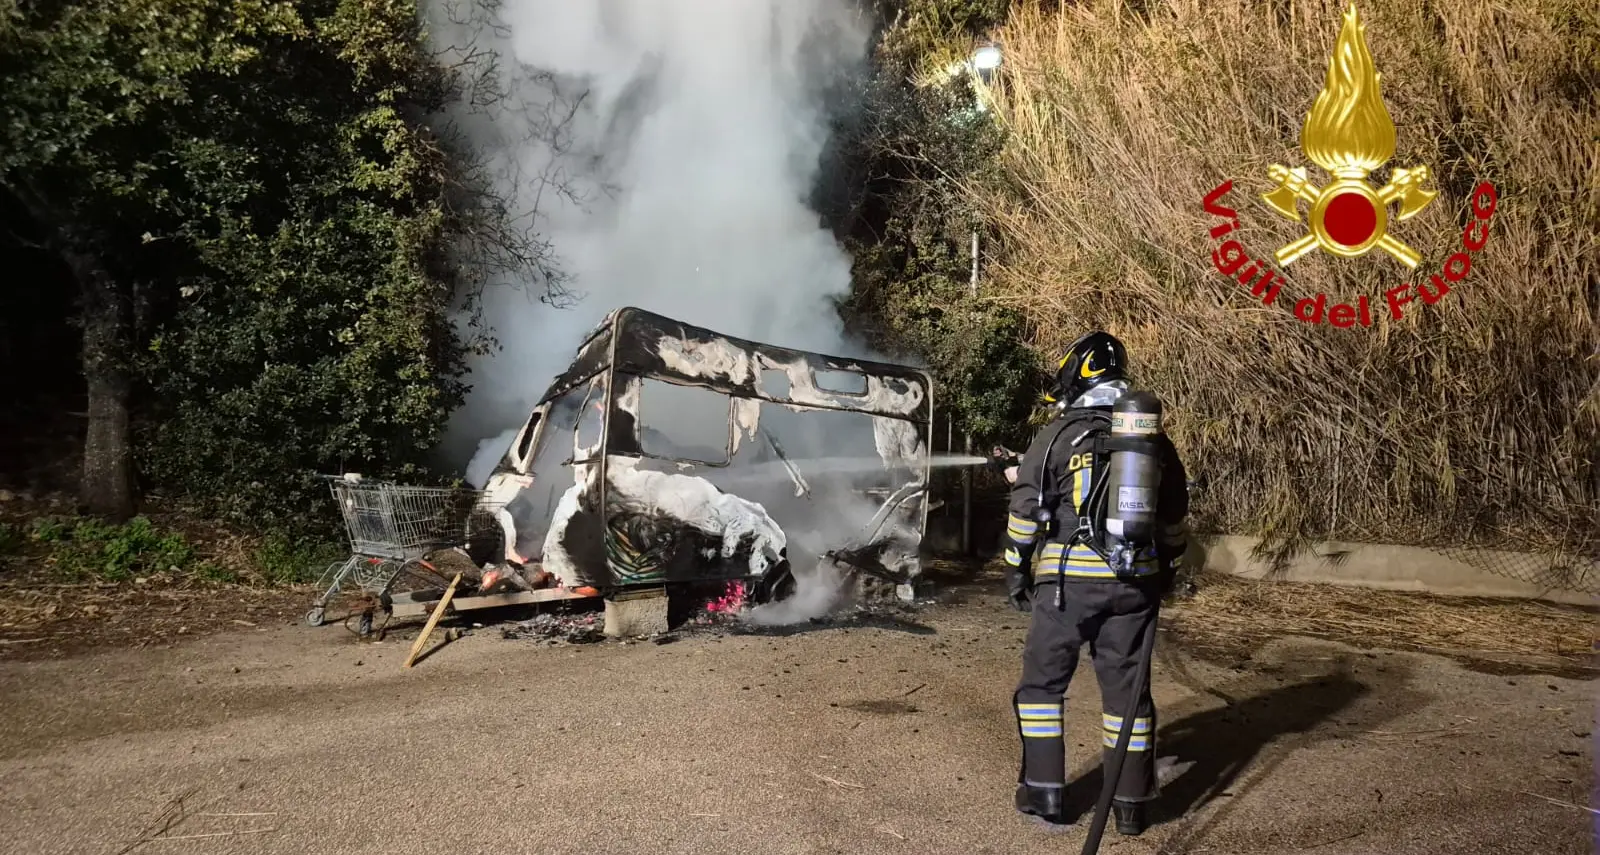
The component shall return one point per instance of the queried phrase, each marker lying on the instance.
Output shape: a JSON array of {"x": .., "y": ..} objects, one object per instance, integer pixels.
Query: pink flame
[{"x": 731, "y": 600}]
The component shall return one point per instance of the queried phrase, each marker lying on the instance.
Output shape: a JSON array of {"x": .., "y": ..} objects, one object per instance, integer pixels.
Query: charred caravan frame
[{"x": 596, "y": 493}]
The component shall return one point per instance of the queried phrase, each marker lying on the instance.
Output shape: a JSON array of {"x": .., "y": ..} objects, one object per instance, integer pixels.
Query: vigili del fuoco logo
[{"x": 1348, "y": 133}]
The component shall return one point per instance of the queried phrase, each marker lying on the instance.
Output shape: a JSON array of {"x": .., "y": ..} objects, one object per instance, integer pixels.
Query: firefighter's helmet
[{"x": 1095, "y": 358}]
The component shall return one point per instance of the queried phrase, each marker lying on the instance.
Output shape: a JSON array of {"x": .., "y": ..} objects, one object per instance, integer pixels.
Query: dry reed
[
  {"x": 1475, "y": 420},
  {"x": 1230, "y": 612},
  {"x": 1234, "y": 615}
]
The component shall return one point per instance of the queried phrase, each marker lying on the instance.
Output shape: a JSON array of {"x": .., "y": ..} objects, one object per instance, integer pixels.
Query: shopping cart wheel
[{"x": 314, "y": 617}]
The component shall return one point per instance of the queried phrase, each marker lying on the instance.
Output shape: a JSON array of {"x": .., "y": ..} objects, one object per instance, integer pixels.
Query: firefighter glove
[
  {"x": 1017, "y": 590},
  {"x": 1001, "y": 459}
]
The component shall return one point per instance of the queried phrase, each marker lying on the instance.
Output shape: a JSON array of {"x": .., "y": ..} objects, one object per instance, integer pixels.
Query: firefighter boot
[
  {"x": 1130, "y": 817},
  {"x": 1042, "y": 802}
]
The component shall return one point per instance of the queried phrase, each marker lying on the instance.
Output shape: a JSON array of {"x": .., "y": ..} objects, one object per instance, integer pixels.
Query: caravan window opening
[
  {"x": 683, "y": 424},
  {"x": 589, "y": 429},
  {"x": 775, "y": 383},
  {"x": 840, "y": 382},
  {"x": 529, "y": 431}
]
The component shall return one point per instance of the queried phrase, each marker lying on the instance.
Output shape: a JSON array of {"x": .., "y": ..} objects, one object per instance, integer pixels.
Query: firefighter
[{"x": 1072, "y": 593}]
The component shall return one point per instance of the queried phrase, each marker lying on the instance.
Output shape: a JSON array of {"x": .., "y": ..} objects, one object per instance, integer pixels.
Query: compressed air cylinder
[{"x": 1134, "y": 470}]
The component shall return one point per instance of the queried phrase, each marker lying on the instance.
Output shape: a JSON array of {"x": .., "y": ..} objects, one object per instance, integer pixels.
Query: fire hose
[{"x": 1097, "y": 828}]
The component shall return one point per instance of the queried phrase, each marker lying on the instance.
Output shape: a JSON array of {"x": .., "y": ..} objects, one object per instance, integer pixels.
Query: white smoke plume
[
  {"x": 666, "y": 149},
  {"x": 815, "y": 594}
]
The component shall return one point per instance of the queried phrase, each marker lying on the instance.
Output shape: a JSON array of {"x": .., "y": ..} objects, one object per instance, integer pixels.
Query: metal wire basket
[
  {"x": 393, "y": 527},
  {"x": 402, "y": 523}
]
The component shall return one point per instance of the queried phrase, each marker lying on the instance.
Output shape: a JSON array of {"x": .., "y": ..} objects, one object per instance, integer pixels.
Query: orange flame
[{"x": 1348, "y": 131}]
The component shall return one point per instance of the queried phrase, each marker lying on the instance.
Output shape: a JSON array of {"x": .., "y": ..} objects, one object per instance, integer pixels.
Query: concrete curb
[{"x": 1393, "y": 568}]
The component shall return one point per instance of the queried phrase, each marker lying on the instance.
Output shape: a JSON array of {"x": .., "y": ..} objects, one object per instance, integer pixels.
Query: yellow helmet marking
[{"x": 1084, "y": 371}]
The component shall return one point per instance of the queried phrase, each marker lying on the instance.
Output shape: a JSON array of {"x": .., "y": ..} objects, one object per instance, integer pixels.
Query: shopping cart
[{"x": 392, "y": 530}]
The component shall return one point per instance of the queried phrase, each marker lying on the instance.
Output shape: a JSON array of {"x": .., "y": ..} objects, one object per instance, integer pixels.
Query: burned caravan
[{"x": 668, "y": 453}]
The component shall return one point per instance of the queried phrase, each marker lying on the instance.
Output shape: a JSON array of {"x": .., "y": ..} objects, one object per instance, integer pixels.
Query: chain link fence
[{"x": 1574, "y": 567}]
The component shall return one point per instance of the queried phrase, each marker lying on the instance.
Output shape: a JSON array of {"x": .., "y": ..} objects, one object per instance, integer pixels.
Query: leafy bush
[
  {"x": 88, "y": 548},
  {"x": 83, "y": 548},
  {"x": 282, "y": 560},
  {"x": 914, "y": 134}
]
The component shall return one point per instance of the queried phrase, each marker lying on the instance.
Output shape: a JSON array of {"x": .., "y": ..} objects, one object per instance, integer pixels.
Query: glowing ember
[{"x": 731, "y": 600}]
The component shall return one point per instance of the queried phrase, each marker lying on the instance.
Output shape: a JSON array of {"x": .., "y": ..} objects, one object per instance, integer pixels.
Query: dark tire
[{"x": 776, "y": 584}]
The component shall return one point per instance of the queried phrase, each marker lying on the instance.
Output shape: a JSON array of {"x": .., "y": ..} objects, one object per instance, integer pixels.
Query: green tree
[
  {"x": 258, "y": 220},
  {"x": 907, "y": 150},
  {"x": 87, "y": 93}
]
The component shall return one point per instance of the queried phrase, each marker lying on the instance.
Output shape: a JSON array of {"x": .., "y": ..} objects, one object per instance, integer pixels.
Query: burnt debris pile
[{"x": 552, "y": 628}]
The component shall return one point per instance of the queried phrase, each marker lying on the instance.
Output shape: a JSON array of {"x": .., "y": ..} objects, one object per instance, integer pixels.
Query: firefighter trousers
[{"x": 1111, "y": 617}]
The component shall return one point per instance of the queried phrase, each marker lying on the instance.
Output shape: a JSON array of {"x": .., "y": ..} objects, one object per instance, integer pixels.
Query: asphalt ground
[{"x": 891, "y": 736}]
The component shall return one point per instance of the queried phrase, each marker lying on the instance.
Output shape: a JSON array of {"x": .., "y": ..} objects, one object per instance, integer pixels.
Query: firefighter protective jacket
[{"x": 1067, "y": 476}]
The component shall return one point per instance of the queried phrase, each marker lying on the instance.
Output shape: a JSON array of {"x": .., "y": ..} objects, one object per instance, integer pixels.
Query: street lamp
[{"x": 985, "y": 61}]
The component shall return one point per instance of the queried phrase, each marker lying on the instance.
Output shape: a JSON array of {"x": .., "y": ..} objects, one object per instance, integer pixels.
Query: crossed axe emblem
[{"x": 1359, "y": 216}]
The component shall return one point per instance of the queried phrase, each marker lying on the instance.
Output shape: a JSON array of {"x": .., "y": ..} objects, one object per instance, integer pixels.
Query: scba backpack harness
[{"x": 1125, "y": 450}]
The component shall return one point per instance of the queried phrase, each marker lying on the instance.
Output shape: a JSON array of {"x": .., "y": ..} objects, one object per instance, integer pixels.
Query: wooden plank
[
  {"x": 433, "y": 620},
  {"x": 409, "y": 610},
  {"x": 517, "y": 598},
  {"x": 490, "y": 601}
]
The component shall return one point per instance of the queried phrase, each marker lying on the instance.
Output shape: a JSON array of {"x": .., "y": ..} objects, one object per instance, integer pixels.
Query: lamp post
[
  {"x": 986, "y": 59},
  {"x": 985, "y": 62}
]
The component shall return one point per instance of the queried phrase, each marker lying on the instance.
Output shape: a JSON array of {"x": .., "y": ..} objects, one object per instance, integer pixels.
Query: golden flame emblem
[{"x": 1349, "y": 134}]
